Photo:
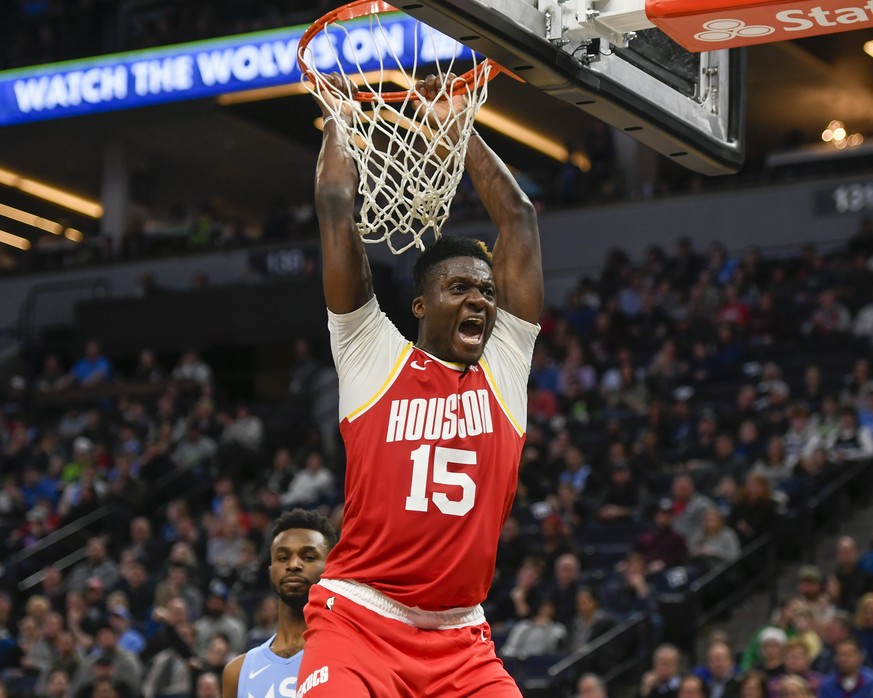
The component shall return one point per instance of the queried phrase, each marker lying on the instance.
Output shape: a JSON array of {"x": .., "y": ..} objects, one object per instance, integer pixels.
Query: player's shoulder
[{"x": 230, "y": 676}]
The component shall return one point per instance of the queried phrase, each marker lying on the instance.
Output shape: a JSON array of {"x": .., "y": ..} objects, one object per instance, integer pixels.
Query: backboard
[{"x": 688, "y": 106}]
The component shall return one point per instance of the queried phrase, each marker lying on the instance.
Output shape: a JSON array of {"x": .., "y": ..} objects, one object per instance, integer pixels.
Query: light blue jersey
[{"x": 267, "y": 675}]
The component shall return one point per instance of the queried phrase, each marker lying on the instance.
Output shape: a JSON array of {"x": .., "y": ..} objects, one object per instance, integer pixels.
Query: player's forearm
[
  {"x": 500, "y": 194},
  {"x": 336, "y": 175},
  {"x": 347, "y": 278}
]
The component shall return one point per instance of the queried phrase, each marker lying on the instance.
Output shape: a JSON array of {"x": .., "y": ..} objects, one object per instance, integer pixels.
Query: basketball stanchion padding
[{"x": 409, "y": 159}]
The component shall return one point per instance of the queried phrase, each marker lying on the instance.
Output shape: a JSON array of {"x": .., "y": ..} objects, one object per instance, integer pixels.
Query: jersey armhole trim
[
  {"x": 395, "y": 369},
  {"x": 490, "y": 377}
]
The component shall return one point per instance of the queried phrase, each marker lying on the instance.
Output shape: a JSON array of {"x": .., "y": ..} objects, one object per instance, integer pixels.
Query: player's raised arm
[
  {"x": 517, "y": 260},
  {"x": 348, "y": 282}
]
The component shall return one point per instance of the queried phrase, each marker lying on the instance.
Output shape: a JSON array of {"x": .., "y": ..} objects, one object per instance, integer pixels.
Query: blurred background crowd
[{"x": 681, "y": 407}]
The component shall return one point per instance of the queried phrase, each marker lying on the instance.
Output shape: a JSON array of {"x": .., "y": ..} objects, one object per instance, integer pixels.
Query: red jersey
[{"x": 432, "y": 453}]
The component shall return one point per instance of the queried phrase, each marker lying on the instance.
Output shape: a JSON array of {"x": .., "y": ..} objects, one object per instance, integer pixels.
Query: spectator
[
  {"x": 755, "y": 513},
  {"x": 850, "y": 679},
  {"x": 264, "y": 622},
  {"x": 715, "y": 543},
  {"x": 661, "y": 547},
  {"x": 628, "y": 591},
  {"x": 810, "y": 589},
  {"x": 148, "y": 371},
  {"x": 519, "y": 600},
  {"x": 849, "y": 442},
  {"x": 57, "y": 685},
  {"x": 722, "y": 680},
  {"x": 192, "y": 369},
  {"x": 129, "y": 639},
  {"x": 216, "y": 656},
  {"x": 92, "y": 369},
  {"x": 664, "y": 679},
  {"x": 67, "y": 659},
  {"x": 849, "y": 582},
  {"x": 312, "y": 486},
  {"x": 512, "y": 550},
  {"x": 836, "y": 629},
  {"x": 590, "y": 621},
  {"x": 208, "y": 686},
  {"x": 122, "y": 666},
  {"x": 802, "y": 437},
  {"x": 178, "y": 584},
  {"x": 96, "y": 565},
  {"x": 775, "y": 465},
  {"x": 195, "y": 450},
  {"x": 219, "y": 621},
  {"x": 772, "y": 647},
  {"x": 753, "y": 685},
  {"x": 576, "y": 471},
  {"x": 689, "y": 507},
  {"x": 590, "y": 686},
  {"x": 797, "y": 663},
  {"x": 537, "y": 636},
  {"x": 52, "y": 377},
  {"x": 692, "y": 686},
  {"x": 171, "y": 672},
  {"x": 793, "y": 686},
  {"x": 621, "y": 498},
  {"x": 828, "y": 317},
  {"x": 562, "y": 591},
  {"x": 864, "y": 626}
]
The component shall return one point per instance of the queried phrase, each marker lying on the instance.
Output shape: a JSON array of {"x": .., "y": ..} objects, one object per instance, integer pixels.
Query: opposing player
[
  {"x": 433, "y": 433},
  {"x": 301, "y": 541}
]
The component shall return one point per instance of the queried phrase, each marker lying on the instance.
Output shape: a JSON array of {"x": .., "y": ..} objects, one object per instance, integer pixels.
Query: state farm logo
[{"x": 727, "y": 29}]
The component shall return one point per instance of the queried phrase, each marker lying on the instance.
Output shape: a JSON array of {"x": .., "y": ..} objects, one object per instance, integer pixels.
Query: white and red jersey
[{"x": 432, "y": 453}]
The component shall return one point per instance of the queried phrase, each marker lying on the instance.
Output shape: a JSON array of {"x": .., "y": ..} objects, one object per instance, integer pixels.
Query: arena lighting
[
  {"x": 73, "y": 234},
  {"x": 868, "y": 48},
  {"x": 504, "y": 125},
  {"x": 486, "y": 116},
  {"x": 14, "y": 240},
  {"x": 509, "y": 128},
  {"x": 31, "y": 219},
  {"x": 296, "y": 88},
  {"x": 51, "y": 194}
]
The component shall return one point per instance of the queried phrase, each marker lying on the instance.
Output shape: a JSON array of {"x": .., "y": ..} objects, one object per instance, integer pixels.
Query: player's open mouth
[{"x": 471, "y": 330}]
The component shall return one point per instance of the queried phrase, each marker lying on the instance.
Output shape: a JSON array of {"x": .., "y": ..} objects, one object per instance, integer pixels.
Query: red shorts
[{"x": 354, "y": 652}]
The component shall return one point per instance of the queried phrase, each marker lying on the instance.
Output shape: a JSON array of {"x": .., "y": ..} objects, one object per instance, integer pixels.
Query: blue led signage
[{"x": 209, "y": 68}]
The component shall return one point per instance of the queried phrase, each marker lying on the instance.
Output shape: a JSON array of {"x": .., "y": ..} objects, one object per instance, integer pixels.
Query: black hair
[
  {"x": 443, "y": 249},
  {"x": 303, "y": 518}
]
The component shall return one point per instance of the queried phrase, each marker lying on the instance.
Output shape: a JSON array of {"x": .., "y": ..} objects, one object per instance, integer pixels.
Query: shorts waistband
[{"x": 376, "y": 601}]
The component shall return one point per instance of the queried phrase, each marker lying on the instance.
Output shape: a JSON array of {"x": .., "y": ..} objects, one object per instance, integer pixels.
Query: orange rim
[{"x": 365, "y": 8}]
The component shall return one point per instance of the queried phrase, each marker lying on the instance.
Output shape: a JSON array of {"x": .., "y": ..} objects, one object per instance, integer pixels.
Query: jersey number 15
[{"x": 442, "y": 457}]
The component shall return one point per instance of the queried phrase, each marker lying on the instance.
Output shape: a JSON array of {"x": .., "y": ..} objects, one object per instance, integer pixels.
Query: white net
[{"x": 409, "y": 158}]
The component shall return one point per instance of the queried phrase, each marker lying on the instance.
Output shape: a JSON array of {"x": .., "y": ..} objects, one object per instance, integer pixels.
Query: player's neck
[{"x": 289, "y": 633}]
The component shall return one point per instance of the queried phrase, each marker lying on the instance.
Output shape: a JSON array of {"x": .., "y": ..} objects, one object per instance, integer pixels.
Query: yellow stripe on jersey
[
  {"x": 500, "y": 400},
  {"x": 395, "y": 370}
]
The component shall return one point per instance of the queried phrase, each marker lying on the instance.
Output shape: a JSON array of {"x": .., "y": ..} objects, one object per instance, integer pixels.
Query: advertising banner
[
  {"x": 706, "y": 26},
  {"x": 208, "y": 68}
]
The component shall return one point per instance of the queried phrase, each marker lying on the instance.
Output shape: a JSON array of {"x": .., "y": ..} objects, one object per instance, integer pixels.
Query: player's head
[
  {"x": 301, "y": 541},
  {"x": 455, "y": 299}
]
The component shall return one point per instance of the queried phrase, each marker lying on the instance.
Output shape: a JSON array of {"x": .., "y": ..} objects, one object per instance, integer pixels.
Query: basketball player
[
  {"x": 301, "y": 542},
  {"x": 433, "y": 433}
]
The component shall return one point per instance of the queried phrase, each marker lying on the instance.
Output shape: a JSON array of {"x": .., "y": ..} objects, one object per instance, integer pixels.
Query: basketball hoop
[{"x": 408, "y": 164}]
